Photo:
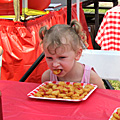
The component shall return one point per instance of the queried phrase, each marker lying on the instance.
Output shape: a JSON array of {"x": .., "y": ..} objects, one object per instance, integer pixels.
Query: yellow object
[
  {"x": 31, "y": 12},
  {"x": 7, "y": 16},
  {"x": 25, "y": 12}
]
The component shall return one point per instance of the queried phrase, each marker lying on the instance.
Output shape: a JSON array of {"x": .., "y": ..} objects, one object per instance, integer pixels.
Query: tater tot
[
  {"x": 56, "y": 92},
  {"x": 89, "y": 86},
  {"x": 75, "y": 95},
  {"x": 49, "y": 91},
  {"x": 71, "y": 89},
  {"x": 81, "y": 97},
  {"x": 116, "y": 116},
  {"x": 38, "y": 94},
  {"x": 57, "y": 71},
  {"x": 64, "y": 90},
  {"x": 86, "y": 89},
  {"x": 85, "y": 93},
  {"x": 77, "y": 84},
  {"x": 113, "y": 118},
  {"x": 61, "y": 83},
  {"x": 61, "y": 95},
  {"x": 66, "y": 97},
  {"x": 54, "y": 86},
  {"x": 79, "y": 91},
  {"x": 69, "y": 94},
  {"x": 118, "y": 110},
  {"x": 50, "y": 84},
  {"x": 43, "y": 87},
  {"x": 52, "y": 96}
]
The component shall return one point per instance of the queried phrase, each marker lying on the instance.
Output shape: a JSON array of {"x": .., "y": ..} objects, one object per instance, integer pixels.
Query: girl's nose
[{"x": 56, "y": 64}]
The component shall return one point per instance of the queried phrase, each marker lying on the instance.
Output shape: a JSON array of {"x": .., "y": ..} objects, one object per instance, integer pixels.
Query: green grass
[
  {"x": 115, "y": 84},
  {"x": 93, "y": 11},
  {"x": 100, "y": 10}
]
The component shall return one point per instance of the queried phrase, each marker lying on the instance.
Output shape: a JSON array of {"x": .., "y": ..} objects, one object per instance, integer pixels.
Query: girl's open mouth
[{"x": 57, "y": 71}]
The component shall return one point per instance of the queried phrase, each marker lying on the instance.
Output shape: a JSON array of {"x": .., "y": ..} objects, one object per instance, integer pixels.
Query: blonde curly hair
[{"x": 61, "y": 35}]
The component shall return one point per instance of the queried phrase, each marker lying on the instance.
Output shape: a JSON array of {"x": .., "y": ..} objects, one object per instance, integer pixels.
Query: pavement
[{"x": 64, "y": 2}]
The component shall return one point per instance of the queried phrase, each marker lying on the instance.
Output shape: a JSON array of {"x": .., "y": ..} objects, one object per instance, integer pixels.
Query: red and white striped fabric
[{"x": 108, "y": 36}]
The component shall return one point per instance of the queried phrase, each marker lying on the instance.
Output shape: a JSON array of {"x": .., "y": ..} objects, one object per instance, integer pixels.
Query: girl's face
[{"x": 64, "y": 61}]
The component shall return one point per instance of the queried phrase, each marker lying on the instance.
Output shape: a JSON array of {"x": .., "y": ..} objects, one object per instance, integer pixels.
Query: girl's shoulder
[
  {"x": 46, "y": 76},
  {"x": 95, "y": 79}
]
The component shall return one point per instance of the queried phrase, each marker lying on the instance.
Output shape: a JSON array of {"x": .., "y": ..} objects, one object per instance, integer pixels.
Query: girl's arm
[
  {"x": 95, "y": 79},
  {"x": 45, "y": 76}
]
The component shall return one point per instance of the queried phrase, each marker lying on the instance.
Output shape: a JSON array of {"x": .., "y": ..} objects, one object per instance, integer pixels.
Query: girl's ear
[{"x": 78, "y": 54}]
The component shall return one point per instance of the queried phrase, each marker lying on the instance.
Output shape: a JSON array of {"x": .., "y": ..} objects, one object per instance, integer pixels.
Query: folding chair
[{"x": 105, "y": 63}]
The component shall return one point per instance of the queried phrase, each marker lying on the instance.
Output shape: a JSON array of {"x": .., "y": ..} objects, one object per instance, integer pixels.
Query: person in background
[{"x": 63, "y": 45}]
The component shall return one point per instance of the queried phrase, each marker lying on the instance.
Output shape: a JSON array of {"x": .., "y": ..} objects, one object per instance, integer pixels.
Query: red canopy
[{"x": 20, "y": 42}]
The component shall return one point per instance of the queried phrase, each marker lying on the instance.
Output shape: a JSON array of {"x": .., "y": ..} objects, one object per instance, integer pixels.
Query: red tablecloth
[
  {"x": 20, "y": 42},
  {"x": 108, "y": 36},
  {"x": 17, "y": 106}
]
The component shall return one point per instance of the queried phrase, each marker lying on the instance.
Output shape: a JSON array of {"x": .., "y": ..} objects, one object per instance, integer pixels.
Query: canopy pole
[
  {"x": 24, "y": 9},
  {"x": 78, "y": 9},
  {"x": 16, "y": 4},
  {"x": 68, "y": 11}
]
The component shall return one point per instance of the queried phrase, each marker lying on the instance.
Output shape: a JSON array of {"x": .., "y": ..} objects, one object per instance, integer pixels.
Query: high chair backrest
[{"x": 105, "y": 63}]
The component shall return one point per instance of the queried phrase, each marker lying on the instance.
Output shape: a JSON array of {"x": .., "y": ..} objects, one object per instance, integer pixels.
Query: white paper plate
[
  {"x": 31, "y": 94},
  {"x": 114, "y": 112}
]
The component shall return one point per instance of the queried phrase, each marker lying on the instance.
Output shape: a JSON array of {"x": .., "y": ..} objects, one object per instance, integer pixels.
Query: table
[
  {"x": 17, "y": 106},
  {"x": 109, "y": 31}
]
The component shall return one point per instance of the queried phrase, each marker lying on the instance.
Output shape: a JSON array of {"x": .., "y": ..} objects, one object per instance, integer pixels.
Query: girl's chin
[{"x": 61, "y": 74}]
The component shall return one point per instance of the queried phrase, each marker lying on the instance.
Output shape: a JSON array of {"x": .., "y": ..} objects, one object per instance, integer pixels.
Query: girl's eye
[
  {"x": 62, "y": 57},
  {"x": 50, "y": 58}
]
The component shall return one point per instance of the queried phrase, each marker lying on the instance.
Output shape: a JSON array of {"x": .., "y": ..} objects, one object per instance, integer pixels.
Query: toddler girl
[{"x": 63, "y": 45}]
